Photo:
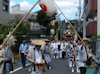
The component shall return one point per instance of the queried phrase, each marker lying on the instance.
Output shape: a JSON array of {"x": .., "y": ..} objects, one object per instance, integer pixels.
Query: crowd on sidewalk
[{"x": 39, "y": 55}]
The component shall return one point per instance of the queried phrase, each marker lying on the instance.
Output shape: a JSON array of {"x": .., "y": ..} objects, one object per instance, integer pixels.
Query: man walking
[{"x": 22, "y": 50}]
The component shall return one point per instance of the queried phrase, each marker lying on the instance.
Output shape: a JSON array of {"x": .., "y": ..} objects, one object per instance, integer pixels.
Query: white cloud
[
  {"x": 25, "y": 5},
  {"x": 68, "y": 6},
  {"x": 12, "y": 3}
]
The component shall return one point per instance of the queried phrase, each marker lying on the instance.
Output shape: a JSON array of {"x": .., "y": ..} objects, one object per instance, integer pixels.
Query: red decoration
[{"x": 44, "y": 8}]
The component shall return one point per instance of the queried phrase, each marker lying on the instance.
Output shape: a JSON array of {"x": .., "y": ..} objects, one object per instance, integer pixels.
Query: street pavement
[{"x": 59, "y": 66}]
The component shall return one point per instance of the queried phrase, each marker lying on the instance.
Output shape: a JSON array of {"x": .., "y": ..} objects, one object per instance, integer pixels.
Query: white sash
[{"x": 23, "y": 49}]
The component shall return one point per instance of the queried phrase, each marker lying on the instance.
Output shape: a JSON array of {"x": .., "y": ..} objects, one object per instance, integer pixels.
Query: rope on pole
[
  {"x": 20, "y": 23},
  {"x": 73, "y": 28}
]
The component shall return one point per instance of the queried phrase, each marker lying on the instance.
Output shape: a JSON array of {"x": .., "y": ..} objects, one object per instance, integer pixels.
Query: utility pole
[
  {"x": 79, "y": 14},
  {"x": 60, "y": 28},
  {"x": 84, "y": 20}
]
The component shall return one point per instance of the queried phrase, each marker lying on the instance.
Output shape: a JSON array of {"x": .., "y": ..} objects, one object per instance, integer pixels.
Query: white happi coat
[
  {"x": 52, "y": 45},
  {"x": 79, "y": 47},
  {"x": 55, "y": 45},
  {"x": 82, "y": 53},
  {"x": 69, "y": 59},
  {"x": 73, "y": 53},
  {"x": 63, "y": 47}
]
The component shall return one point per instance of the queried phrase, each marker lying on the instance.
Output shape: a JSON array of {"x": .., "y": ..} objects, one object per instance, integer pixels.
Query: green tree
[
  {"x": 43, "y": 19},
  {"x": 4, "y": 30},
  {"x": 23, "y": 31},
  {"x": 94, "y": 37},
  {"x": 48, "y": 37},
  {"x": 55, "y": 27}
]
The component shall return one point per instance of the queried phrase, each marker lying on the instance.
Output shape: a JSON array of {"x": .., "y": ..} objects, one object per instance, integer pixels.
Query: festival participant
[
  {"x": 52, "y": 45},
  {"x": 83, "y": 53},
  {"x": 73, "y": 54},
  {"x": 8, "y": 55},
  {"x": 2, "y": 59},
  {"x": 36, "y": 57},
  {"x": 79, "y": 45},
  {"x": 63, "y": 49},
  {"x": 48, "y": 52},
  {"x": 31, "y": 46},
  {"x": 60, "y": 49},
  {"x": 22, "y": 51},
  {"x": 55, "y": 51},
  {"x": 96, "y": 59},
  {"x": 59, "y": 45},
  {"x": 69, "y": 46}
]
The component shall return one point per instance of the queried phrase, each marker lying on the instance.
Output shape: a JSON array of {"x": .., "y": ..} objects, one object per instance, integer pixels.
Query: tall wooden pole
[{"x": 73, "y": 28}]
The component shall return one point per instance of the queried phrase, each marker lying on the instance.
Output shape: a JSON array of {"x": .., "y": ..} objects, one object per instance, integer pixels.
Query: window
[
  {"x": 5, "y": 7},
  {"x": 36, "y": 24}
]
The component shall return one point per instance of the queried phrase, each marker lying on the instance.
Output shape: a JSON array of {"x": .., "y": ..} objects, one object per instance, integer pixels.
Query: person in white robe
[
  {"x": 63, "y": 49},
  {"x": 69, "y": 46},
  {"x": 82, "y": 53},
  {"x": 52, "y": 46},
  {"x": 73, "y": 52},
  {"x": 59, "y": 45},
  {"x": 55, "y": 50},
  {"x": 36, "y": 57}
]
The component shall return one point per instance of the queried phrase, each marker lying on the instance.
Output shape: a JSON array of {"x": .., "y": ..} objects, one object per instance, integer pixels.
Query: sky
[{"x": 68, "y": 7}]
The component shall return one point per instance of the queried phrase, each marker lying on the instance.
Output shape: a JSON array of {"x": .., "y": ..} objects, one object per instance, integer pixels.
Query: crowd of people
[{"x": 39, "y": 55}]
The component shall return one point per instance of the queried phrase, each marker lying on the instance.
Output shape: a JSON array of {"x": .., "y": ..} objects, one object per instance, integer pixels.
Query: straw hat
[
  {"x": 85, "y": 39},
  {"x": 47, "y": 40},
  {"x": 38, "y": 42}
]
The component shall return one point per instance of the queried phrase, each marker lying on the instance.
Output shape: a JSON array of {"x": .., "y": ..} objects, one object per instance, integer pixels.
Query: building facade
[
  {"x": 91, "y": 17},
  {"x": 37, "y": 31},
  {"x": 4, "y": 11},
  {"x": 98, "y": 18}
]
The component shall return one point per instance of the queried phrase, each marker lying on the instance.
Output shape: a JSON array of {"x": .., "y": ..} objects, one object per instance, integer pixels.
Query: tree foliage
[
  {"x": 4, "y": 30},
  {"x": 55, "y": 27},
  {"x": 48, "y": 37},
  {"x": 43, "y": 19},
  {"x": 23, "y": 31},
  {"x": 95, "y": 37}
]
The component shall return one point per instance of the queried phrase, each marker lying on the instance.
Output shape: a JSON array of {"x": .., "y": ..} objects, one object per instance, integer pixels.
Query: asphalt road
[{"x": 59, "y": 66}]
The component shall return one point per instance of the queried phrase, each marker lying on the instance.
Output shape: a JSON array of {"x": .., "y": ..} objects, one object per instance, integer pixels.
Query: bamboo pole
[
  {"x": 19, "y": 23},
  {"x": 73, "y": 29}
]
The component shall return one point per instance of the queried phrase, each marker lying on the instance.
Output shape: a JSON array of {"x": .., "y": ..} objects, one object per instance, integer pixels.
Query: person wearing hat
[
  {"x": 73, "y": 55},
  {"x": 22, "y": 51},
  {"x": 36, "y": 56},
  {"x": 83, "y": 53},
  {"x": 48, "y": 52}
]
